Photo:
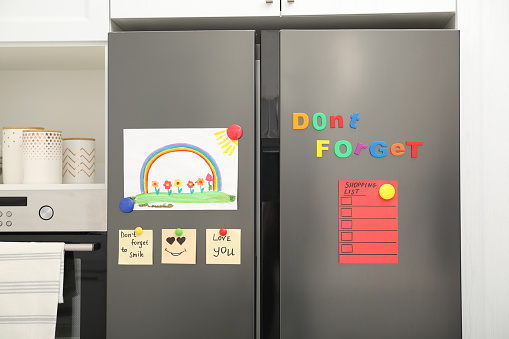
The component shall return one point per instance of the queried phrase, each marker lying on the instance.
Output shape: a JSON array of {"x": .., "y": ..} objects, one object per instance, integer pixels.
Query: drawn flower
[
  {"x": 209, "y": 179},
  {"x": 177, "y": 184},
  {"x": 190, "y": 184},
  {"x": 200, "y": 183},
  {"x": 167, "y": 185},
  {"x": 155, "y": 184}
]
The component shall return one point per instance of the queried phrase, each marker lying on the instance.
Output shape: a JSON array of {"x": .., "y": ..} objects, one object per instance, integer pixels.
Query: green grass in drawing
[{"x": 205, "y": 197}]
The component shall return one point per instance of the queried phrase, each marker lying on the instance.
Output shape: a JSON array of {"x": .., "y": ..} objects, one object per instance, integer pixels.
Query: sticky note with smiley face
[{"x": 178, "y": 247}]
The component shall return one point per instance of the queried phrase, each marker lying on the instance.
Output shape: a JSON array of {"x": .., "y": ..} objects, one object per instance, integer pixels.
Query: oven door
[{"x": 83, "y": 313}]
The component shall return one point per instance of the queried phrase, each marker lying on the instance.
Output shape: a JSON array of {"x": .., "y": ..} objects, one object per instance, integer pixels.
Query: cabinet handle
[
  {"x": 291, "y": 0},
  {"x": 268, "y": 1}
]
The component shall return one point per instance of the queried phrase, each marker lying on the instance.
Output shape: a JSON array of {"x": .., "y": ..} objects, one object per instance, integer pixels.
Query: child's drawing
[{"x": 194, "y": 168}]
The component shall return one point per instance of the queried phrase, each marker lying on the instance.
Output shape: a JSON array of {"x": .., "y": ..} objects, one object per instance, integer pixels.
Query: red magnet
[
  {"x": 234, "y": 132},
  {"x": 223, "y": 231}
]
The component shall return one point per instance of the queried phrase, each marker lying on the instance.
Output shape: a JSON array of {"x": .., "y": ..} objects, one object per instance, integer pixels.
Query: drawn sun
[{"x": 228, "y": 138}]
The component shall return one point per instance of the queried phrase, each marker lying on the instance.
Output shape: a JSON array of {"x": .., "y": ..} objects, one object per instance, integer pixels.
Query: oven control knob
[{"x": 46, "y": 212}]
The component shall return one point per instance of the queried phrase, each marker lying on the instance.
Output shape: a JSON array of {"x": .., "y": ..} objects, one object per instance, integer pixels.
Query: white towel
[{"x": 31, "y": 286}]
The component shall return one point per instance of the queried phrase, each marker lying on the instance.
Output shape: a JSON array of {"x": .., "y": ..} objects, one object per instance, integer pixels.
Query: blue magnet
[{"x": 126, "y": 205}]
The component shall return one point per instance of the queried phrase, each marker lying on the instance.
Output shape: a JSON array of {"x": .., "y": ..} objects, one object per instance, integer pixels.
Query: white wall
[{"x": 484, "y": 29}]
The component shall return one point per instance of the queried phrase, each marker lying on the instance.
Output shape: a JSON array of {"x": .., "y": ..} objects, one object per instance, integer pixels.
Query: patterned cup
[
  {"x": 78, "y": 165},
  {"x": 42, "y": 157},
  {"x": 12, "y": 149}
]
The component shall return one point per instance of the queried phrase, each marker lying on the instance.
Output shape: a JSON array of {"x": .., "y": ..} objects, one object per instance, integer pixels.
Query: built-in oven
[{"x": 73, "y": 218}]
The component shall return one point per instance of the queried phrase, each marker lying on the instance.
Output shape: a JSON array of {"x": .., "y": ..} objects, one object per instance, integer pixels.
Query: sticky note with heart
[{"x": 178, "y": 249}]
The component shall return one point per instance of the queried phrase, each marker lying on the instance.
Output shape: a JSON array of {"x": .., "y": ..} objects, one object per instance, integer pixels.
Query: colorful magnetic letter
[
  {"x": 305, "y": 120},
  {"x": 355, "y": 118},
  {"x": 333, "y": 119},
  {"x": 414, "y": 145},
  {"x": 337, "y": 149},
  {"x": 315, "y": 121},
  {"x": 320, "y": 147},
  {"x": 360, "y": 146},
  {"x": 397, "y": 149},
  {"x": 382, "y": 150}
]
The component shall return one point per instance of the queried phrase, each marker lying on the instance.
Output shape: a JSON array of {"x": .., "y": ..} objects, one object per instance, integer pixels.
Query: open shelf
[{"x": 58, "y": 86}]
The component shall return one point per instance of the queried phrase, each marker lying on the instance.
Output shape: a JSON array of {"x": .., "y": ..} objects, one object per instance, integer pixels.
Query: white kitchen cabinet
[
  {"x": 54, "y": 20},
  {"x": 197, "y": 8},
  {"x": 347, "y": 7}
]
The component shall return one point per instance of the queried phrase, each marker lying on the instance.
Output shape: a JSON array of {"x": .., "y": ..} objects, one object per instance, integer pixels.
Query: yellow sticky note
[
  {"x": 134, "y": 249},
  {"x": 223, "y": 249},
  {"x": 178, "y": 249}
]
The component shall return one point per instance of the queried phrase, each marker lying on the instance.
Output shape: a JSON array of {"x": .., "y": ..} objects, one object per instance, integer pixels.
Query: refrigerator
[{"x": 343, "y": 196}]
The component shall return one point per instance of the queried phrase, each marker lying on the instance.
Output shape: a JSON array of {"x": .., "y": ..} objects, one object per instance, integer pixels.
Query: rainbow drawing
[{"x": 179, "y": 147}]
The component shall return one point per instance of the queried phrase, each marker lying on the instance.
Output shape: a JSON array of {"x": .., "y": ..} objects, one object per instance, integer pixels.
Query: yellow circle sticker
[{"x": 387, "y": 191}]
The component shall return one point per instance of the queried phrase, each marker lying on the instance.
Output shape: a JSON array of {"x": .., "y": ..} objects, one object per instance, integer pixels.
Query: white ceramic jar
[
  {"x": 42, "y": 157},
  {"x": 78, "y": 165},
  {"x": 12, "y": 154}
]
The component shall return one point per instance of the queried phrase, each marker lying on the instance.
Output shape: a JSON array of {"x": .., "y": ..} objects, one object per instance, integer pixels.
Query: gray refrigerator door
[
  {"x": 404, "y": 85},
  {"x": 181, "y": 80}
]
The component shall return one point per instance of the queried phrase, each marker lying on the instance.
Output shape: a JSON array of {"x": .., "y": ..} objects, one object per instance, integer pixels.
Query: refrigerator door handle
[{"x": 257, "y": 191}]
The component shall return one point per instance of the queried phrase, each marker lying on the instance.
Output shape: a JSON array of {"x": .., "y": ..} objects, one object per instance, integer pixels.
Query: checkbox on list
[
  {"x": 346, "y": 212},
  {"x": 346, "y": 200},
  {"x": 346, "y": 236},
  {"x": 346, "y": 248},
  {"x": 346, "y": 224}
]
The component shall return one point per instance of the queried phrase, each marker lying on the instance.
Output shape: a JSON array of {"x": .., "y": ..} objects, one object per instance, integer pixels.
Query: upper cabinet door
[
  {"x": 196, "y": 8},
  {"x": 330, "y": 7},
  {"x": 54, "y": 20}
]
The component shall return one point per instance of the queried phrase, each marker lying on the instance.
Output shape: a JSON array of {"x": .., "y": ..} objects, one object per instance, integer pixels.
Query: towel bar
[{"x": 81, "y": 247}]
